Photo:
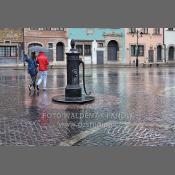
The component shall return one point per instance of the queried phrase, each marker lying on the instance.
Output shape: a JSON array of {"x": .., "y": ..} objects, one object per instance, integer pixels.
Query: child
[{"x": 32, "y": 69}]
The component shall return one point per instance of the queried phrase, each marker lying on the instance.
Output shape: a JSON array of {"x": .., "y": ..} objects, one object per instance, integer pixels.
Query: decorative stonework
[
  {"x": 113, "y": 34},
  {"x": 14, "y": 35},
  {"x": 118, "y": 38}
]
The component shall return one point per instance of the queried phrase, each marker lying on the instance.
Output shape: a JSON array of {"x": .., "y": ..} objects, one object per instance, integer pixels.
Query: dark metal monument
[{"x": 73, "y": 90}]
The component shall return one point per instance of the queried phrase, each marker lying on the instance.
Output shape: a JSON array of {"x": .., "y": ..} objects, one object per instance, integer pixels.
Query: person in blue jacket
[{"x": 32, "y": 69}]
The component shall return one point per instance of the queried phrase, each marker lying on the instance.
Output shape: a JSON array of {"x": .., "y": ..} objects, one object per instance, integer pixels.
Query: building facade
[
  {"x": 11, "y": 45},
  {"x": 150, "y": 45},
  {"x": 170, "y": 44},
  {"x": 99, "y": 45},
  {"x": 96, "y": 45},
  {"x": 55, "y": 39}
]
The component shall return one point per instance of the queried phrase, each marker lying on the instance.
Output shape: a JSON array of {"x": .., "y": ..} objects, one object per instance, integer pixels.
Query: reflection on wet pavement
[{"x": 139, "y": 105}]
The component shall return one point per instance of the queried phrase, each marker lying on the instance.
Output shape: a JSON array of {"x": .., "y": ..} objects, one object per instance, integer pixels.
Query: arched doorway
[
  {"x": 171, "y": 53},
  {"x": 159, "y": 53},
  {"x": 113, "y": 50},
  {"x": 60, "y": 51}
]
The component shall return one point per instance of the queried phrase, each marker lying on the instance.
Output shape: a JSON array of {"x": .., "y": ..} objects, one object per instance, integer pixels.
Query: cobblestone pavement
[{"x": 131, "y": 107}]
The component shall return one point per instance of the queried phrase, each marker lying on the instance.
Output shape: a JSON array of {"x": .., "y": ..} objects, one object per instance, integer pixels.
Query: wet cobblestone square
[{"x": 133, "y": 107}]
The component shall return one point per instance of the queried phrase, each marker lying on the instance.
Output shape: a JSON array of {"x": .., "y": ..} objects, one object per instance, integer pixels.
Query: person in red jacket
[{"x": 43, "y": 62}]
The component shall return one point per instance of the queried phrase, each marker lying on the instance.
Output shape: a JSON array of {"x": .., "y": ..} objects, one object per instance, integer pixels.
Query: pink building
[{"x": 150, "y": 45}]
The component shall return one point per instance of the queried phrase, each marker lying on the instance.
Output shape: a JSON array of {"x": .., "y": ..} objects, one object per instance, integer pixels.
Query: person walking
[
  {"x": 43, "y": 62},
  {"x": 32, "y": 69}
]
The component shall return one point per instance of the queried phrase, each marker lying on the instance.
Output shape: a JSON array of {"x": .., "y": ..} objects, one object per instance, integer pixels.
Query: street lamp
[{"x": 137, "y": 47}]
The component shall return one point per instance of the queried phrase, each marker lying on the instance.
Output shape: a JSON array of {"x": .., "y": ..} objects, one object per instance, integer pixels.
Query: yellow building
[{"x": 11, "y": 45}]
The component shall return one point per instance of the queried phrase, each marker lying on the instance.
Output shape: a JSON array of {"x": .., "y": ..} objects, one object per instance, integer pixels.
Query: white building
[
  {"x": 170, "y": 44},
  {"x": 89, "y": 55}
]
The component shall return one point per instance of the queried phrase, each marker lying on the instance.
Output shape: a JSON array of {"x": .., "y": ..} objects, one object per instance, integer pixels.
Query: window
[
  {"x": 134, "y": 50},
  {"x": 145, "y": 30},
  {"x": 13, "y": 51},
  {"x": 171, "y": 53},
  {"x": 170, "y": 29},
  {"x": 59, "y": 29},
  {"x": 8, "y": 51},
  {"x": 141, "y": 50},
  {"x": 100, "y": 45},
  {"x": 50, "y": 45},
  {"x": 132, "y": 30},
  {"x": 87, "y": 50},
  {"x": 80, "y": 49},
  {"x": 157, "y": 31},
  {"x": 2, "y": 51}
]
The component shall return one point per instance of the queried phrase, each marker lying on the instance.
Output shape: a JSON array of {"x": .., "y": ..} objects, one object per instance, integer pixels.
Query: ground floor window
[
  {"x": 134, "y": 50},
  {"x": 159, "y": 52},
  {"x": 87, "y": 50},
  {"x": 84, "y": 49},
  {"x": 8, "y": 51},
  {"x": 171, "y": 53},
  {"x": 80, "y": 49}
]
